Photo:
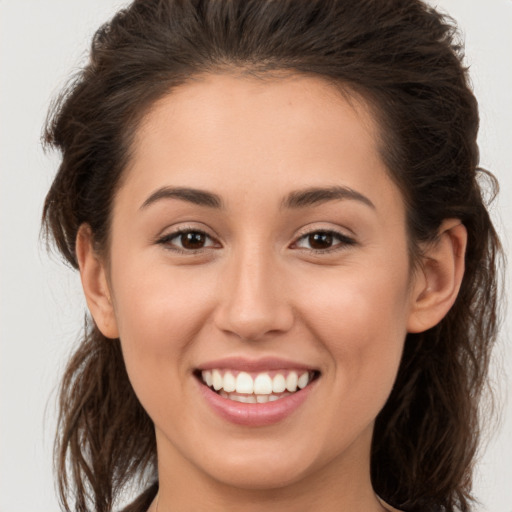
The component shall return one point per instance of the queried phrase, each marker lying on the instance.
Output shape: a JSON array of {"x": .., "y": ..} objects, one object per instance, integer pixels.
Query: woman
[{"x": 290, "y": 270}]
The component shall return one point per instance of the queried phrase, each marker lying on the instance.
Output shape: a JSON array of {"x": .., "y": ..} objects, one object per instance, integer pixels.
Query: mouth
[{"x": 256, "y": 387}]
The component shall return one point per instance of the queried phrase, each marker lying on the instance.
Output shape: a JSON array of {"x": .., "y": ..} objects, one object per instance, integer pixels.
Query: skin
[{"x": 257, "y": 288}]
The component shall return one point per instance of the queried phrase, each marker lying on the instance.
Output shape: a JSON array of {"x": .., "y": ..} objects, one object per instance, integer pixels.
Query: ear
[
  {"x": 95, "y": 284},
  {"x": 438, "y": 281}
]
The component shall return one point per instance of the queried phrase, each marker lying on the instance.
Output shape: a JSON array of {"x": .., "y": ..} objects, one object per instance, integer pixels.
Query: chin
[
  {"x": 269, "y": 470},
  {"x": 253, "y": 478}
]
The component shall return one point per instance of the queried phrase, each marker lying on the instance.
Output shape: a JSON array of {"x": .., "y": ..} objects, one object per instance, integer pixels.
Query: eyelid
[
  {"x": 165, "y": 239},
  {"x": 344, "y": 239}
]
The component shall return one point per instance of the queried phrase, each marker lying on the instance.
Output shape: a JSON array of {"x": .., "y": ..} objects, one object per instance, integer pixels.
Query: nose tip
[
  {"x": 253, "y": 304},
  {"x": 255, "y": 324}
]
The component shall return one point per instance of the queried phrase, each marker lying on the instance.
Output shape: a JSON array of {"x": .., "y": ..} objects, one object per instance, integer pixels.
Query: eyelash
[
  {"x": 343, "y": 241},
  {"x": 166, "y": 240}
]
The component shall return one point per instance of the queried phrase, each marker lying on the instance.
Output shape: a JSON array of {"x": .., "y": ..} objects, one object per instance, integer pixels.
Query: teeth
[
  {"x": 246, "y": 399},
  {"x": 278, "y": 383},
  {"x": 303, "y": 380},
  {"x": 291, "y": 382},
  {"x": 244, "y": 383},
  {"x": 252, "y": 399},
  {"x": 263, "y": 386},
  {"x": 207, "y": 377},
  {"x": 229, "y": 382},
  {"x": 217, "y": 380}
]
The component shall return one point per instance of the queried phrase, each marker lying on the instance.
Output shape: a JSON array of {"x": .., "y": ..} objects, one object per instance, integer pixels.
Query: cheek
[
  {"x": 361, "y": 319},
  {"x": 159, "y": 312},
  {"x": 361, "y": 325},
  {"x": 157, "y": 299}
]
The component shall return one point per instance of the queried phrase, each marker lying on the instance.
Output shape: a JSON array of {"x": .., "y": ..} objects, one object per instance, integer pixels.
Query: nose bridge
[{"x": 253, "y": 302}]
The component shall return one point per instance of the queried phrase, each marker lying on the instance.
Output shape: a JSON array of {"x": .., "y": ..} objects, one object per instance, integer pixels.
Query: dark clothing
[{"x": 142, "y": 503}]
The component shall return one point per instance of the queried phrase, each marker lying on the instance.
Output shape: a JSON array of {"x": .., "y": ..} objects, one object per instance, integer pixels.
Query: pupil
[
  {"x": 192, "y": 240},
  {"x": 320, "y": 240}
]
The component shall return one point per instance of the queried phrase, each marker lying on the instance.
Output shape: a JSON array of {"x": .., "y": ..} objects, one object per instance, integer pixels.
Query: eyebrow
[
  {"x": 298, "y": 199},
  {"x": 191, "y": 195},
  {"x": 318, "y": 195}
]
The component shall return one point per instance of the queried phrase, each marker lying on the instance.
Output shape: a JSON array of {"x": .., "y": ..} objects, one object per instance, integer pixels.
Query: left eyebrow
[{"x": 318, "y": 195}]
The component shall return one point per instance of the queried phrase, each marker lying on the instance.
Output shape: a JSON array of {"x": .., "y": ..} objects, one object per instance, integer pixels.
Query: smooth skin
[{"x": 255, "y": 272}]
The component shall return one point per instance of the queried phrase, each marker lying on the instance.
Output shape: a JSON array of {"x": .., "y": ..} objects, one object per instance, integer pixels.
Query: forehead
[
  {"x": 229, "y": 132},
  {"x": 258, "y": 103}
]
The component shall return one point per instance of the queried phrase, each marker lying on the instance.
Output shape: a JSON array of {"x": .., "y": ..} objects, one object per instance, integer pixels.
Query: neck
[{"x": 340, "y": 484}]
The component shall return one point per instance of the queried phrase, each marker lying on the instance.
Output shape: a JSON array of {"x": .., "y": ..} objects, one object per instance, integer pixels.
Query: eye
[
  {"x": 187, "y": 240},
  {"x": 323, "y": 241}
]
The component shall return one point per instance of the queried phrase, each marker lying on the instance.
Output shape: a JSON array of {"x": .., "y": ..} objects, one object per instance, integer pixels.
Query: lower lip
[{"x": 255, "y": 415}]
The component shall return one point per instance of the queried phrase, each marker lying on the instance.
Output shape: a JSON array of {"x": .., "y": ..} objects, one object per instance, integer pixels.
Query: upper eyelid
[
  {"x": 303, "y": 233},
  {"x": 344, "y": 240},
  {"x": 167, "y": 239},
  {"x": 342, "y": 232},
  {"x": 170, "y": 231},
  {"x": 341, "y": 236}
]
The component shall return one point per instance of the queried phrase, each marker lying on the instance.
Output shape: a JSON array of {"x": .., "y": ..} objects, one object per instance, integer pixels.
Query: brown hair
[{"x": 404, "y": 59}]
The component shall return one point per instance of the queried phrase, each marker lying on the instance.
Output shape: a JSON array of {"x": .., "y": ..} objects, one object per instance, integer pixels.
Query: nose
[{"x": 252, "y": 298}]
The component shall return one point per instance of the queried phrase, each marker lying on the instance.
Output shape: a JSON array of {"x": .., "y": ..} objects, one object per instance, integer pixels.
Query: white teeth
[
  {"x": 217, "y": 380},
  {"x": 245, "y": 399},
  {"x": 207, "y": 377},
  {"x": 244, "y": 383},
  {"x": 278, "y": 383},
  {"x": 263, "y": 384},
  {"x": 229, "y": 382},
  {"x": 252, "y": 399},
  {"x": 291, "y": 382},
  {"x": 303, "y": 380}
]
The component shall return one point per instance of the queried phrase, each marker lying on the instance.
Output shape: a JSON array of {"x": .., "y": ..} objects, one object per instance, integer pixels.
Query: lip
[
  {"x": 259, "y": 414},
  {"x": 254, "y": 365}
]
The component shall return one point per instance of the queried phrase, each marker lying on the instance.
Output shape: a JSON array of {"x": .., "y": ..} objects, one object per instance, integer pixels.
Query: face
[{"x": 258, "y": 240}]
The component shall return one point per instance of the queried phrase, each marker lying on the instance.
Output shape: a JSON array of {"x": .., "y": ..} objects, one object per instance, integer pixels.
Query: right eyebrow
[{"x": 191, "y": 195}]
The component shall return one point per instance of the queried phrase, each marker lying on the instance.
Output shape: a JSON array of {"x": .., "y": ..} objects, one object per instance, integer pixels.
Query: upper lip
[{"x": 254, "y": 365}]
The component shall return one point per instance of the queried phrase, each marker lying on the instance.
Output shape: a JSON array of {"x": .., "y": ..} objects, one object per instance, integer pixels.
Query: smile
[{"x": 256, "y": 388}]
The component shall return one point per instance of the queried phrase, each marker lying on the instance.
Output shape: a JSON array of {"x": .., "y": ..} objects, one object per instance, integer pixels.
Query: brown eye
[
  {"x": 324, "y": 241},
  {"x": 193, "y": 240},
  {"x": 320, "y": 240},
  {"x": 187, "y": 241}
]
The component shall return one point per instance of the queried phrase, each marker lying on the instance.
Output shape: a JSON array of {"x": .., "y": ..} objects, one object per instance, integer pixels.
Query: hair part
[{"x": 405, "y": 60}]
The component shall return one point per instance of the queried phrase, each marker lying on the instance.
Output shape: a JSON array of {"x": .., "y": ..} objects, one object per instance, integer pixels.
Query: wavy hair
[{"x": 406, "y": 61}]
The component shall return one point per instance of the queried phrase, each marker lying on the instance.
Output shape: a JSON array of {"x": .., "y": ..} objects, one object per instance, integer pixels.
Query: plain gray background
[{"x": 41, "y": 308}]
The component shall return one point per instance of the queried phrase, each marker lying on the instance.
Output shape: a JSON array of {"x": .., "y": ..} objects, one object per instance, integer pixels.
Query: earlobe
[
  {"x": 439, "y": 278},
  {"x": 95, "y": 284}
]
